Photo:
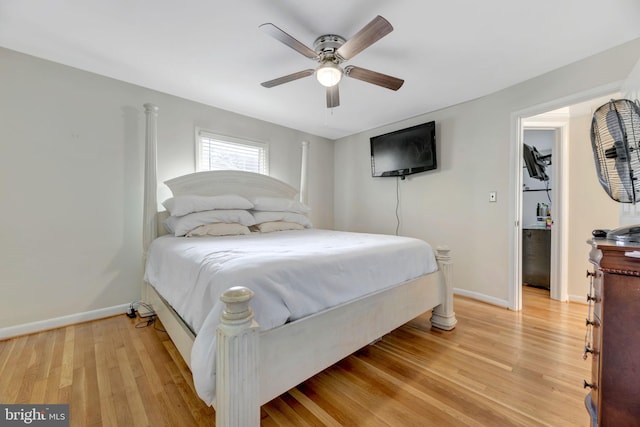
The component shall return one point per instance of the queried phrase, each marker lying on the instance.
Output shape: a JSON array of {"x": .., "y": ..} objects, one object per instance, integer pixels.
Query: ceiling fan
[{"x": 330, "y": 51}]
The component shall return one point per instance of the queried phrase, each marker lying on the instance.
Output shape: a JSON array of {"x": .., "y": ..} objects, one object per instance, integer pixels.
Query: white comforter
[{"x": 293, "y": 274}]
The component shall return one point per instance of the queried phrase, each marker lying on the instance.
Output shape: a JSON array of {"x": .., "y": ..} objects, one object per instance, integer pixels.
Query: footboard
[{"x": 254, "y": 367}]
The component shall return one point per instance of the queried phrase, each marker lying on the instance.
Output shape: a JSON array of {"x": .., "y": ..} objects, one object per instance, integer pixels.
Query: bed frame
[{"x": 253, "y": 366}]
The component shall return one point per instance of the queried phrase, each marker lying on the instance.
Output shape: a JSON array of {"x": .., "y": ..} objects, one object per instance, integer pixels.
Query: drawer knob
[
  {"x": 585, "y": 384},
  {"x": 587, "y": 350}
]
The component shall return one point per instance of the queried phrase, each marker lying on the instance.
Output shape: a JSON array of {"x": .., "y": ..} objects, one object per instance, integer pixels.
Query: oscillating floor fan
[{"x": 615, "y": 140}]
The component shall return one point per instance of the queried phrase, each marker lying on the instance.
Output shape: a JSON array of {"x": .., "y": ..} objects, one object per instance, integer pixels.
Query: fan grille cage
[{"x": 615, "y": 140}]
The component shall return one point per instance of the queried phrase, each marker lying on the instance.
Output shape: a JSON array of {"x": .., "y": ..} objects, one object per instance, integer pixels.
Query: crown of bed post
[
  {"x": 150, "y": 227},
  {"x": 237, "y": 380},
  {"x": 443, "y": 316}
]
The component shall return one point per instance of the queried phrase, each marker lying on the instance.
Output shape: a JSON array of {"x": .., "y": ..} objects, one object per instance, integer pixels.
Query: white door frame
[{"x": 560, "y": 171}]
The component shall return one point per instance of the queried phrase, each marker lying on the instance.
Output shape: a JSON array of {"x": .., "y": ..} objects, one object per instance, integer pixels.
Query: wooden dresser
[{"x": 613, "y": 335}]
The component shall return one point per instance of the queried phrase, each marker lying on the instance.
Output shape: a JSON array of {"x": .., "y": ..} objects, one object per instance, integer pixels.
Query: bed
[{"x": 238, "y": 363}]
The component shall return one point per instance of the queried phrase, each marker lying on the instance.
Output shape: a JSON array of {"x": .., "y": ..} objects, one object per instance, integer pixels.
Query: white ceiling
[{"x": 213, "y": 52}]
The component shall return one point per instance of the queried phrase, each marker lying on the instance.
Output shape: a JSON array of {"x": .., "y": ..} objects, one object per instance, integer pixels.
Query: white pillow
[
  {"x": 279, "y": 204},
  {"x": 264, "y": 216},
  {"x": 219, "y": 229},
  {"x": 268, "y": 227},
  {"x": 181, "y": 225},
  {"x": 183, "y": 205}
]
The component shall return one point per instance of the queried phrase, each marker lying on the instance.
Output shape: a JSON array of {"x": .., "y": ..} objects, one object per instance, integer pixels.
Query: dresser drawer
[{"x": 622, "y": 261}]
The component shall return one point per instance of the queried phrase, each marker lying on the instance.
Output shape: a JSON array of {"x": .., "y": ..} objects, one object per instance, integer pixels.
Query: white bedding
[{"x": 292, "y": 273}]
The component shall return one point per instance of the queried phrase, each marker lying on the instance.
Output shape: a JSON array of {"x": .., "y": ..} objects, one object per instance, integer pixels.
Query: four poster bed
[{"x": 240, "y": 360}]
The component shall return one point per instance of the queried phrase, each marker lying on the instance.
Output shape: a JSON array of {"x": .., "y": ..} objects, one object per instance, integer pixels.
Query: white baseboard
[
  {"x": 481, "y": 297},
  {"x": 58, "y": 322},
  {"x": 582, "y": 299},
  {"x": 502, "y": 303}
]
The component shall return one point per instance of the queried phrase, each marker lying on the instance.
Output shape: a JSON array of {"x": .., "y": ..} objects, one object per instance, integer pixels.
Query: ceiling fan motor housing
[{"x": 326, "y": 47}]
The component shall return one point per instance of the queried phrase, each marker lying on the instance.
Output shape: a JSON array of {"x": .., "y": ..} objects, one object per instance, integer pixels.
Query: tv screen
[
  {"x": 534, "y": 163},
  {"x": 405, "y": 151}
]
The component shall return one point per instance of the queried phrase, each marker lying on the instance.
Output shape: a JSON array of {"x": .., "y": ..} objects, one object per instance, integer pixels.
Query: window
[{"x": 216, "y": 152}]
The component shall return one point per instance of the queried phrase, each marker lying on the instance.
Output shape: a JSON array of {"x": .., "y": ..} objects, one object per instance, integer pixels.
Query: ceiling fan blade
[
  {"x": 285, "y": 38},
  {"x": 288, "y": 78},
  {"x": 368, "y": 35},
  {"x": 374, "y": 77},
  {"x": 333, "y": 97}
]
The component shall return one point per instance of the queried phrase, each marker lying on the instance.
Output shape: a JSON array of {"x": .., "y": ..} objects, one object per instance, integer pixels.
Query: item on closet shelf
[{"x": 543, "y": 210}]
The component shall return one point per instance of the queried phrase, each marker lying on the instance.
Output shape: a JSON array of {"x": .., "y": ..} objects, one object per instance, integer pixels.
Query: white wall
[
  {"x": 589, "y": 205},
  {"x": 630, "y": 214},
  {"x": 451, "y": 205},
  {"x": 71, "y": 174}
]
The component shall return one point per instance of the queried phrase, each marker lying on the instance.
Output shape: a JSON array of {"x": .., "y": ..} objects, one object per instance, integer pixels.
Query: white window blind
[{"x": 217, "y": 152}]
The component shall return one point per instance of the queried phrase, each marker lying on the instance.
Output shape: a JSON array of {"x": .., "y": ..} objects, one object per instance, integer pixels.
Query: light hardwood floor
[{"x": 497, "y": 368}]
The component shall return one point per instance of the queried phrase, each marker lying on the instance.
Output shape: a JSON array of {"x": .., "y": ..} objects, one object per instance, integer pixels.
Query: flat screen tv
[
  {"x": 535, "y": 163},
  {"x": 404, "y": 152}
]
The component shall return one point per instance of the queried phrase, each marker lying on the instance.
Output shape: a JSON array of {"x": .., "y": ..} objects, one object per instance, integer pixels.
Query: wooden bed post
[
  {"x": 443, "y": 316},
  {"x": 150, "y": 208},
  {"x": 237, "y": 380},
  {"x": 303, "y": 172},
  {"x": 150, "y": 226}
]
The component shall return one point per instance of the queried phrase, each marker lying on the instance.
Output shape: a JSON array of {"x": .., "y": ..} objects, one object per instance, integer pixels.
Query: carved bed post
[
  {"x": 303, "y": 172},
  {"x": 443, "y": 316},
  {"x": 237, "y": 380},
  {"x": 150, "y": 208},
  {"x": 150, "y": 228}
]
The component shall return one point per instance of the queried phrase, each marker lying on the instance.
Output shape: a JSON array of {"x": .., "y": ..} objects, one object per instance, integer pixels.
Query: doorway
[
  {"x": 537, "y": 205},
  {"x": 550, "y": 132},
  {"x": 556, "y": 117}
]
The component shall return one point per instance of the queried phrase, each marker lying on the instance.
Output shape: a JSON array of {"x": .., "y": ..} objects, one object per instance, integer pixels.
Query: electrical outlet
[{"x": 493, "y": 196}]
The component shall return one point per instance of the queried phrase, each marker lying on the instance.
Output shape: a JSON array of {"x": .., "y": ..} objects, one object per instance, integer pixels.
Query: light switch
[{"x": 493, "y": 196}]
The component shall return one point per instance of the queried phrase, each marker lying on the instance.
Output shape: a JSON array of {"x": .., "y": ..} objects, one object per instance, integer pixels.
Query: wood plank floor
[{"x": 497, "y": 368}]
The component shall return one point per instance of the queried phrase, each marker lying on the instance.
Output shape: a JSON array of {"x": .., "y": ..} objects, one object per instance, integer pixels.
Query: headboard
[
  {"x": 217, "y": 183},
  {"x": 211, "y": 183}
]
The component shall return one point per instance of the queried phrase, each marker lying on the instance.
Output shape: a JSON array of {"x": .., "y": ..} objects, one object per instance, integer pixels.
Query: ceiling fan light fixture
[{"x": 329, "y": 74}]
